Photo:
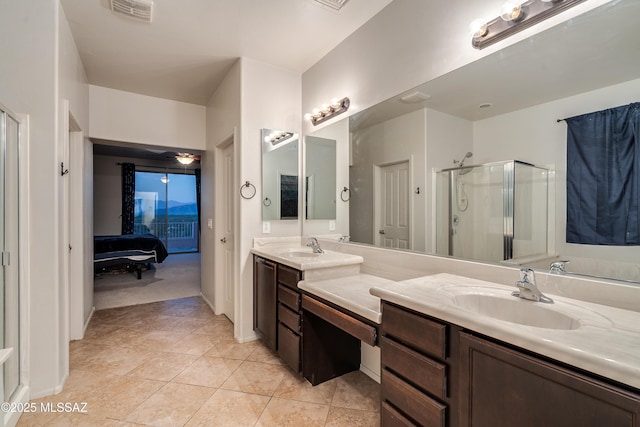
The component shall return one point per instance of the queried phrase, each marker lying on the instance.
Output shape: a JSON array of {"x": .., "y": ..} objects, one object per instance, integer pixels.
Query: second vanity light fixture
[
  {"x": 278, "y": 136},
  {"x": 515, "y": 16},
  {"x": 327, "y": 111}
]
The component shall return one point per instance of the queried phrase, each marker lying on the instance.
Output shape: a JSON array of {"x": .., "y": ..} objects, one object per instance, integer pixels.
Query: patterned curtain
[
  {"x": 128, "y": 196},
  {"x": 603, "y": 177},
  {"x": 197, "y": 172}
]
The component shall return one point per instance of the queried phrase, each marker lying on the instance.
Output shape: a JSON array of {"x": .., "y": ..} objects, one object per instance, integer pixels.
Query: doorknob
[
  {"x": 223, "y": 240},
  {"x": 381, "y": 231}
]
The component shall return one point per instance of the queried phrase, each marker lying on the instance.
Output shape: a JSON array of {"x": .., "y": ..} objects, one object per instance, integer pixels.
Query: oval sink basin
[
  {"x": 515, "y": 310},
  {"x": 302, "y": 254}
]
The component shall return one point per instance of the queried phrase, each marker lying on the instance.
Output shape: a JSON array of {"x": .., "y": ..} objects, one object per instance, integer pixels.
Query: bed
[{"x": 136, "y": 250}]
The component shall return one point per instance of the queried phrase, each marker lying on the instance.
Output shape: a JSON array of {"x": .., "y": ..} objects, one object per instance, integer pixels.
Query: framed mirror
[
  {"x": 320, "y": 178},
  {"x": 280, "y": 183}
]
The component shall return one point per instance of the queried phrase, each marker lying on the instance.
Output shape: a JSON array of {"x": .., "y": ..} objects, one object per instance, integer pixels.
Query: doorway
[{"x": 393, "y": 210}]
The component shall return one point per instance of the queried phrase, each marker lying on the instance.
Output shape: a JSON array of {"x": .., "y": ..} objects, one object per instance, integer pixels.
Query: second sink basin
[{"x": 514, "y": 310}]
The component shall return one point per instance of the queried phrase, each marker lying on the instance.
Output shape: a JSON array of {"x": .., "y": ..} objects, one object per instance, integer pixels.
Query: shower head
[{"x": 461, "y": 163}]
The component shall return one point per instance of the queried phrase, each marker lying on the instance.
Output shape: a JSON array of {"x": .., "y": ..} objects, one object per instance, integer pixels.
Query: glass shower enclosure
[{"x": 492, "y": 212}]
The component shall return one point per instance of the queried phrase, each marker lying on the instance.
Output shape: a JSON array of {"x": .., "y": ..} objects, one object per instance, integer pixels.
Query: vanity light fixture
[
  {"x": 185, "y": 158},
  {"x": 277, "y": 136},
  {"x": 327, "y": 111},
  {"x": 515, "y": 16}
]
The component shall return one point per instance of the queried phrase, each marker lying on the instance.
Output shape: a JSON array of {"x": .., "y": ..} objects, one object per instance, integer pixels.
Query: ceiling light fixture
[
  {"x": 185, "y": 158},
  {"x": 164, "y": 179},
  {"x": 515, "y": 16},
  {"x": 327, "y": 111}
]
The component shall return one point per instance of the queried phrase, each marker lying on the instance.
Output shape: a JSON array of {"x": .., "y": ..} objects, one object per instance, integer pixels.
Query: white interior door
[
  {"x": 394, "y": 211},
  {"x": 227, "y": 239}
]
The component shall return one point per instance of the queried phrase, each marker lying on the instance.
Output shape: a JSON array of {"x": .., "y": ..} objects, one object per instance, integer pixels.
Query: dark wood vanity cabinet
[
  {"x": 437, "y": 374},
  {"x": 277, "y": 309},
  {"x": 289, "y": 317},
  {"x": 502, "y": 386},
  {"x": 415, "y": 369},
  {"x": 264, "y": 300}
]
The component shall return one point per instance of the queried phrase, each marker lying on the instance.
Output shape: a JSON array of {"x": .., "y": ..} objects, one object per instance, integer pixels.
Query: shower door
[{"x": 9, "y": 277}]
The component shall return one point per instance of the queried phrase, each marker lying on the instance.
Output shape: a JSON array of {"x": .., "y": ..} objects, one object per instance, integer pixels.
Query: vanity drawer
[
  {"x": 288, "y": 276},
  {"x": 343, "y": 321},
  {"x": 390, "y": 417},
  {"x": 421, "y": 371},
  {"x": 420, "y": 333},
  {"x": 417, "y": 405},
  {"x": 289, "y": 347},
  {"x": 289, "y": 298},
  {"x": 290, "y": 318}
]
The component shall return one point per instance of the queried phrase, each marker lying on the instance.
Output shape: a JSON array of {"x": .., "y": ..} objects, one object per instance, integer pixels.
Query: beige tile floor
[{"x": 175, "y": 363}]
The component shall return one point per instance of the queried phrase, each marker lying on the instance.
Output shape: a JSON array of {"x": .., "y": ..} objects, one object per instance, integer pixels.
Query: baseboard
[
  {"x": 370, "y": 373},
  {"x": 86, "y": 324},
  {"x": 252, "y": 337},
  {"x": 21, "y": 397},
  {"x": 208, "y": 302}
]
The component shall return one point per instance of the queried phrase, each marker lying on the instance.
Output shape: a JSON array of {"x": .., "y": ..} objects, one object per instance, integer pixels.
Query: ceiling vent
[
  {"x": 333, "y": 4},
  {"x": 142, "y": 10}
]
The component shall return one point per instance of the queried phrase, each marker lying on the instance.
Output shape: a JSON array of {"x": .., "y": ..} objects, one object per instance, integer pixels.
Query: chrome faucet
[
  {"x": 558, "y": 267},
  {"x": 344, "y": 239},
  {"x": 313, "y": 243},
  {"x": 527, "y": 288}
]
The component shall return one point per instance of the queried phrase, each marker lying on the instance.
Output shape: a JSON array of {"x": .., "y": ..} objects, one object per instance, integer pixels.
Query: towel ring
[
  {"x": 342, "y": 194},
  {"x": 251, "y": 190},
  {"x": 266, "y": 201}
]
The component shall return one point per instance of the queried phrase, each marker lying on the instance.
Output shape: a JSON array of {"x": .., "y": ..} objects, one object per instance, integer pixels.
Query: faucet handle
[{"x": 525, "y": 273}]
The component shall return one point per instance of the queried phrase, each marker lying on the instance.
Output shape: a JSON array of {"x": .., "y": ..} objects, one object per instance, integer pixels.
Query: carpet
[{"x": 177, "y": 277}]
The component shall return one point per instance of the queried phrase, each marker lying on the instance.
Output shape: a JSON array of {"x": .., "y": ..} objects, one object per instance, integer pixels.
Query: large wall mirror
[
  {"x": 279, "y": 175},
  {"x": 502, "y": 108}
]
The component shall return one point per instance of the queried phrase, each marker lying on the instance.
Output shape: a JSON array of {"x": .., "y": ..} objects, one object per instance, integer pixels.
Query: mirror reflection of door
[
  {"x": 393, "y": 210},
  {"x": 279, "y": 175}
]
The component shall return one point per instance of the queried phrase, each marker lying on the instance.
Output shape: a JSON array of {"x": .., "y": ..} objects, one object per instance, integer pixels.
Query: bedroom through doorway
[{"x": 164, "y": 202}]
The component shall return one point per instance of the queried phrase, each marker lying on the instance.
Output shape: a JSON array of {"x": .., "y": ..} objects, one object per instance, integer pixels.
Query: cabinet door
[
  {"x": 503, "y": 387},
  {"x": 265, "y": 300}
]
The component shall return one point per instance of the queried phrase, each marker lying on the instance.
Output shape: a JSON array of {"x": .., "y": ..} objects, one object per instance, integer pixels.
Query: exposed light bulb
[
  {"x": 316, "y": 113},
  {"x": 308, "y": 116},
  {"x": 478, "y": 27},
  {"x": 511, "y": 11},
  {"x": 336, "y": 103},
  {"x": 325, "y": 108}
]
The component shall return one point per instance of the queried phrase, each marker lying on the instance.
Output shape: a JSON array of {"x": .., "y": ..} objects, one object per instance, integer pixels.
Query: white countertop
[
  {"x": 605, "y": 342},
  {"x": 351, "y": 293},
  {"x": 303, "y": 259}
]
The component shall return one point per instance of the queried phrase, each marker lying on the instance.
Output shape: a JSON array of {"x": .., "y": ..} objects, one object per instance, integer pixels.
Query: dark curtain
[
  {"x": 603, "y": 177},
  {"x": 197, "y": 173},
  {"x": 128, "y": 197}
]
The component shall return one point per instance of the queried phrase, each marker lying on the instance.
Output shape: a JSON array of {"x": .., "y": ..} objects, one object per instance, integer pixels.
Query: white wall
[
  {"x": 223, "y": 118},
  {"x": 40, "y": 67},
  {"x": 124, "y": 116},
  {"x": 270, "y": 98},
  {"x": 73, "y": 87},
  {"x": 513, "y": 135}
]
